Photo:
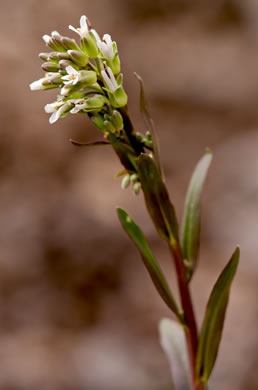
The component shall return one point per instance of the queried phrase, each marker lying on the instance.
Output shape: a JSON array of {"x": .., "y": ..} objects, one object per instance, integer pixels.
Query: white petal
[
  {"x": 83, "y": 24},
  {"x": 107, "y": 80},
  {"x": 67, "y": 77},
  {"x": 74, "y": 29},
  {"x": 70, "y": 70},
  {"x": 49, "y": 108},
  {"x": 56, "y": 115},
  {"x": 107, "y": 38},
  {"x": 96, "y": 35},
  {"x": 37, "y": 85},
  {"x": 78, "y": 108},
  {"x": 55, "y": 34},
  {"x": 46, "y": 38}
]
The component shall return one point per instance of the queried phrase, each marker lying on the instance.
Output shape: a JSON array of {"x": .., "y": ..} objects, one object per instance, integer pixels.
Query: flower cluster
[
  {"x": 87, "y": 74},
  {"x": 89, "y": 80}
]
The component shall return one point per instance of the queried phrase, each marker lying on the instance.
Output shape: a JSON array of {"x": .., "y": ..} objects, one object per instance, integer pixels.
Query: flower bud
[
  {"x": 44, "y": 56},
  {"x": 134, "y": 177},
  {"x": 87, "y": 77},
  {"x": 115, "y": 64},
  {"x": 95, "y": 102},
  {"x": 53, "y": 56},
  {"x": 89, "y": 45},
  {"x": 63, "y": 64},
  {"x": 98, "y": 121},
  {"x": 117, "y": 120},
  {"x": 118, "y": 98},
  {"x": 137, "y": 188},
  {"x": 63, "y": 56},
  {"x": 109, "y": 126},
  {"x": 49, "y": 67},
  {"x": 125, "y": 182},
  {"x": 69, "y": 43},
  {"x": 78, "y": 57},
  {"x": 54, "y": 79}
]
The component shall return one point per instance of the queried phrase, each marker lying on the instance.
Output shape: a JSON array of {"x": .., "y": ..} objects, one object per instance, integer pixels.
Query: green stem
[{"x": 130, "y": 132}]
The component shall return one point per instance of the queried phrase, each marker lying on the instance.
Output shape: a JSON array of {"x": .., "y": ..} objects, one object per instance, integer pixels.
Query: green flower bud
[
  {"x": 137, "y": 188},
  {"x": 53, "y": 56},
  {"x": 69, "y": 43},
  {"x": 117, "y": 120},
  {"x": 118, "y": 98},
  {"x": 87, "y": 77},
  {"x": 95, "y": 102},
  {"x": 54, "y": 79},
  {"x": 63, "y": 56},
  {"x": 98, "y": 121},
  {"x": 89, "y": 45},
  {"x": 109, "y": 126},
  {"x": 64, "y": 63},
  {"x": 134, "y": 177},
  {"x": 78, "y": 57},
  {"x": 49, "y": 67},
  {"x": 125, "y": 182},
  {"x": 44, "y": 56}
]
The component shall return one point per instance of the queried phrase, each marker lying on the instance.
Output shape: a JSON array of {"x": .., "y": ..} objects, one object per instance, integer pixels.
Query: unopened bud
[
  {"x": 63, "y": 64},
  {"x": 44, "y": 56},
  {"x": 89, "y": 45},
  {"x": 54, "y": 79},
  {"x": 78, "y": 57},
  {"x": 98, "y": 121},
  {"x": 49, "y": 67},
  {"x": 134, "y": 177},
  {"x": 118, "y": 98},
  {"x": 117, "y": 119},
  {"x": 125, "y": 182},
  {"x": 53, "y": 56},
  {"x": 87, "y": 77},
  {"x": 63, "y": 56},
  {"x": 95, "y": 102},
  {"x": 69, "y": 43},
  {"x": 137, "y": 188},
  {"x": 109, "y": 126}
]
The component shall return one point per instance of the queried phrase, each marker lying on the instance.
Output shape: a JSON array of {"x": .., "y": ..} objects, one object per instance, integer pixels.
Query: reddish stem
[{"x": 191, "y": 333}]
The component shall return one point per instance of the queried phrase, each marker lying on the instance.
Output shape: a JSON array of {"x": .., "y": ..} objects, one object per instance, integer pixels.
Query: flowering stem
[
  {"x": 130, "y": 132},
  {"x": 190, "y": 329}
]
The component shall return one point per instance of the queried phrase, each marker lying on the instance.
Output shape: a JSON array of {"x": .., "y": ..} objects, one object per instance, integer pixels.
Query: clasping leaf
[
  {"x": 214, "y": 320},
  {"x": 190, "y": 238}
]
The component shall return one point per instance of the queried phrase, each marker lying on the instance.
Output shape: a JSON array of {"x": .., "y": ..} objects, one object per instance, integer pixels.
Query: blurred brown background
[{"x": 77, "y": 309}]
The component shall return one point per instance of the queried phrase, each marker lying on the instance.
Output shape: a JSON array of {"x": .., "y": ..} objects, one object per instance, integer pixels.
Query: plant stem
[{"x": 191, "y": 333}]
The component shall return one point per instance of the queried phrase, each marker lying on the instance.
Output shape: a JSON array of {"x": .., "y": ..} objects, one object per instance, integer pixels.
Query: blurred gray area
[{"x": 77, "y": 309}]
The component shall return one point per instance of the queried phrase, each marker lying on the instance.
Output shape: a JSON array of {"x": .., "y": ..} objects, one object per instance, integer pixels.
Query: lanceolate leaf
[
  {"x": 214, "y": 320},
  {"x": 190, "y": 239},
  {"x": 149, "y": 122},
  {"x": 156, "y": 274},
  {"x": 157, "y": 199}
]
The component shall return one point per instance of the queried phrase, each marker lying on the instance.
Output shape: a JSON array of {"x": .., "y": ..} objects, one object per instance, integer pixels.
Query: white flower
[
  {"x": 109, "y": 79},
  {"x": 72, "y": 76},
  {"x": 56, "y": 109},
  {"x": 106, "y": 47},
  {"x": 79, "y": 104},
  {"x": 83, "y": 30}
]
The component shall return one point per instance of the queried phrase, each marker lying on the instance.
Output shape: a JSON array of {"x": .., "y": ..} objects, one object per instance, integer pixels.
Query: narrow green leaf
[
  {"x": 157, "y": 199},
  {"x": 155, "y": 272},
  {"x": 190, "y": 238},
  {"x": 149, "y": 123},
  {"x": 214, "y": 320}
]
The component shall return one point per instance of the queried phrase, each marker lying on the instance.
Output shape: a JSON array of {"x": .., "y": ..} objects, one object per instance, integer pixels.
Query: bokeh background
[{"x": 77, "y": 309}]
